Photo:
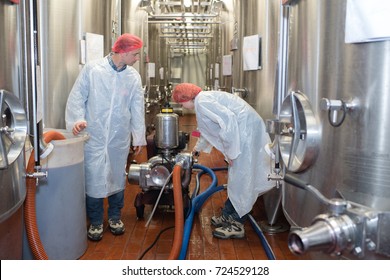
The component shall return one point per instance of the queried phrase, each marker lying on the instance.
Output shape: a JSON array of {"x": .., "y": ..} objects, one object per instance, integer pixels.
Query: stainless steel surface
[
  {"x": 10, "y": 48},
  {"x": 62, "y": 25},
  {"x": 353, "y": 157},
  {"x": 102, "y": 17},
  {"x": 134, "y": 20},
  {"x": 167, "y": 131},
  {"x": 340, "y": 122},
  {"x": 327, "y": 234},
  {"x": 59, "y": 52},
  {"x": 299, "y": 140},
  {"x": 258, "y": 17},
  {"x": 346, "y": 230},
  {"x": 149, "y": 175},
  {"x": 14, "y": 128}
]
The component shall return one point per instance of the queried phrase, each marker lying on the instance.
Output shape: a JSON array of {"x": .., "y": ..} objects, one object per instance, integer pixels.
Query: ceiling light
[{"x": 187, "y": 3}]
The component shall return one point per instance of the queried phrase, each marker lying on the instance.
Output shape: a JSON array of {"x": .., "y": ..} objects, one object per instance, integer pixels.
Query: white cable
[{"x": 158, "y": 199}]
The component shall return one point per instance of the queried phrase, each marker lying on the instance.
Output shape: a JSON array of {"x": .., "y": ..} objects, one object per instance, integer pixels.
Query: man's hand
[
  {"x": 137, "y": 150},
  {"x": 78, "y": 127}
]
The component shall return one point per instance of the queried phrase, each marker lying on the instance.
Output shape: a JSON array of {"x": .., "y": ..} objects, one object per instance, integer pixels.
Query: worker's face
[
  {"x": 188, "y": 104},
  {"x": 131, "y": 57}
]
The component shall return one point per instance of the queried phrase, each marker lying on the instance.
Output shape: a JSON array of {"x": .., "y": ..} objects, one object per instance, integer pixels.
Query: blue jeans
[
  {"x": 228, "y": 210},
  {"x": 95, "y": 207}
]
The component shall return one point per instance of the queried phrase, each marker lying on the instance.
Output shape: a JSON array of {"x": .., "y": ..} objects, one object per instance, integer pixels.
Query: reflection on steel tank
[{"x": 333, "y": 132}]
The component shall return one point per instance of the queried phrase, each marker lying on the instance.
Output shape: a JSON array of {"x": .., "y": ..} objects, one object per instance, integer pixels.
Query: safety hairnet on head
[
  {"x": 126, "y": 43},
  {"x": 185, "y": 92}
]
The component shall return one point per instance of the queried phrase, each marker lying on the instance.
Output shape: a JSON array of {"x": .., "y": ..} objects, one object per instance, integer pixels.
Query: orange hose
[
  {"x": 30, "y": 218},
  {"x": 179, "y": 214}
]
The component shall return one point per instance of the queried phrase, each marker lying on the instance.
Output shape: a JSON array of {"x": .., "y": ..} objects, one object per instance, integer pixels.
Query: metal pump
[{"x": 154, "y": 176}]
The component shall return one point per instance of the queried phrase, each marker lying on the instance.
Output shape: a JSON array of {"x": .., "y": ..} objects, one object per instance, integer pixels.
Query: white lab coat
[
  {"x": 233, "y": 127},
  {"x": 112, "y": 103}
]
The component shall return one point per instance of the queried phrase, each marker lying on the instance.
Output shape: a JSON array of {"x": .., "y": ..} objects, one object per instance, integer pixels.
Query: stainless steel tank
[
  {"x": 256, "y": 18},
  {"x": 13, "y": 187},
  {"x": 62, "y": 25},
  {"x": 333, "y": 142},
  {"x": 167, "y": 130},
  {"x": 13, "y": 132}
]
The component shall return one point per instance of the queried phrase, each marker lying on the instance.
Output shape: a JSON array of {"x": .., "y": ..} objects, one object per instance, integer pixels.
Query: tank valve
[
  {"x": 329, "y": 234},
  {"x": 240, "y": 92}
]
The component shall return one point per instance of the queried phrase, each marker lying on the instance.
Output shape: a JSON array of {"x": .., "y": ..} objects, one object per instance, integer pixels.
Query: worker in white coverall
[
  {"x": 107, "y": 101},
  {"x": 231, "y": 125}
]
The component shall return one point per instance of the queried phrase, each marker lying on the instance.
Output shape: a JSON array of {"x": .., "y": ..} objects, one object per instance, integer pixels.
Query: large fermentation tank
[
  {"x": 256, "y": 18},
  {"x": 134, "y": 20},
  {"x": 337, "y": 106},
  {"x": 13, "y": 134},
  {"x": 56, "y": 54},
  {"x": 62, "y": 26}
]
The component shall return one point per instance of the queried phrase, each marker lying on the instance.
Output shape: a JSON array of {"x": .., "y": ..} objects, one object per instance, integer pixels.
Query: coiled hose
[{"x": 30, "y": 218}]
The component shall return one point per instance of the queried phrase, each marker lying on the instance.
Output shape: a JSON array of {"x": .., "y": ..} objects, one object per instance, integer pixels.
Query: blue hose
[
  {"x": 195, "y": 193},
  {"x": 197, "y": 203},
  {"x": 264, "y": 242}
]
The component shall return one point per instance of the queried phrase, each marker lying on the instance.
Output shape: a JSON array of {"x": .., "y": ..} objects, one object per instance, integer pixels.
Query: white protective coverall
[
  {"x": 233, "y": 127},
  {"x": 112, "y": 103}
]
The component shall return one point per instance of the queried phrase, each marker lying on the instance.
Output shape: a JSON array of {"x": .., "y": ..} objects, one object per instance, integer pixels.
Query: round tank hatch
[
  {"x": 300, "y": 136},
  {"x": 13, "y": 128}
]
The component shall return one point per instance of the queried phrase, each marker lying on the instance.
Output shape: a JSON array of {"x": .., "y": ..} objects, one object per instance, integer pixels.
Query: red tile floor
[{"x": 155, "y": 241}]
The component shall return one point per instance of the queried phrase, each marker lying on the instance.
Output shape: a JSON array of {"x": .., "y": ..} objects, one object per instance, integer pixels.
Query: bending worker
[
  {"x": 232, "y": 126},
  {"x": 107, "y": 101}
]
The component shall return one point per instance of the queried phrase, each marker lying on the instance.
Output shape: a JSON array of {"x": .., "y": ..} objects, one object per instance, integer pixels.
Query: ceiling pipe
[
  {"x": 187, "y": 37},
  {"x": 174, "y": 16}
]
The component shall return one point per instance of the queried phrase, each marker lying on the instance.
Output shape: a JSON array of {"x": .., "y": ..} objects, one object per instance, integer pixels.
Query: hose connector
[
  {"x": 329, "y": 234},
  {"x": 185, "y": 160}
]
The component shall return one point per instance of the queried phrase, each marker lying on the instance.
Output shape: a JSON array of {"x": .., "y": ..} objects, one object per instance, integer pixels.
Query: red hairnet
[
  {"x": 185, "y": 92},
  {"x": 126, "y": 43}
]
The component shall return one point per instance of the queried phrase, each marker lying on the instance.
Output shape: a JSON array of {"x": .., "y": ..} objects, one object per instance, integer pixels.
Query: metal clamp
[{"x": 240, "y": 92}]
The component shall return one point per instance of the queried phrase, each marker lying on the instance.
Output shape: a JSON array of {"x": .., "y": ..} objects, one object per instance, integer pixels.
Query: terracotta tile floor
[{"x": 135, "y": 242}]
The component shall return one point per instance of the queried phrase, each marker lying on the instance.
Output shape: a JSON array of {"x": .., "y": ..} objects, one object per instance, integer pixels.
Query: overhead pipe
[
  {"x": 182, "y": 22},
  {"x": 176, "y": 16},
  {"x": 30, "y": 218},
  {"x": 187, "y": 38}
]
